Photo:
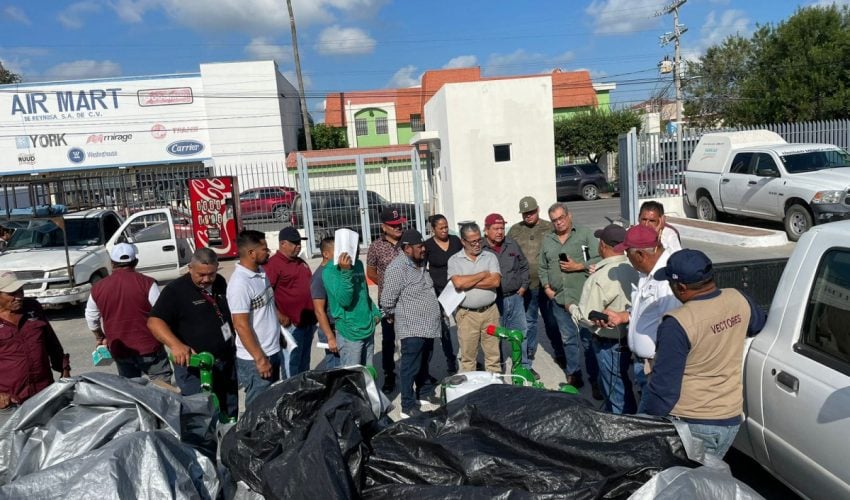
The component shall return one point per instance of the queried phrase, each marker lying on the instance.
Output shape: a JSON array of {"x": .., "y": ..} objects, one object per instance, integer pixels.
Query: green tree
[
  {"x": 7, "y": 76},
  {"x": 324, "y": 137},
  {"x": 592, "y": 134},
  {"x": 714, "y": 90}
]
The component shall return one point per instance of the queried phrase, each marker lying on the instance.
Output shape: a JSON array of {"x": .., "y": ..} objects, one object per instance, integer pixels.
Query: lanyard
[{"x": 213, "y": 302}]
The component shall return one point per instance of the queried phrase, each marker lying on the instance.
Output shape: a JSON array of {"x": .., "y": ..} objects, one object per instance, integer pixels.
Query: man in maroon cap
[
  {"x": 651, "y": 300},
  {"x": 381, "y": 252},
  {"x": 514, "y": 267}
]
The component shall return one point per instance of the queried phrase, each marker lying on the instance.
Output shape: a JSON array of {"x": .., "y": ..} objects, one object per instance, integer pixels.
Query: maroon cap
[
  {"x": 493, "y": 219},
  {"x": 638, "y": 237}
]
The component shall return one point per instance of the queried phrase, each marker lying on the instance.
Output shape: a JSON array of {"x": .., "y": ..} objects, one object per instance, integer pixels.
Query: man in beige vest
[{"x": 699, "y": 355}]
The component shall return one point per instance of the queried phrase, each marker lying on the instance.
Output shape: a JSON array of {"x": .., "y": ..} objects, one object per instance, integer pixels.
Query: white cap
[{"x": 124, "y": 252}]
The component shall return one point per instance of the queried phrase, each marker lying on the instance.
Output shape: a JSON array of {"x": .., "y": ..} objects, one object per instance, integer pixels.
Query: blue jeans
[
  {"x": 574, "y": 339},
  {"x": 388, "y": 348},
  {"x": 250, "y": 379},
  {"x": 224, "y": 384},
  {"x": 355, "y": 352},
  {"x": 415, "y": 355},
  {"x": 716, "y": 438},
  {"x": 156, "y": 366},
  {"x": 331, "y": 359},
  {"x": 299, "y": 360},
  {"x": 614, "y": 361},
  {"x": 446, "y": 344},
  {"x": 641, "y": 381},
  {"x": 536, "y": 300},
  {"x": 512, "y": 312}
]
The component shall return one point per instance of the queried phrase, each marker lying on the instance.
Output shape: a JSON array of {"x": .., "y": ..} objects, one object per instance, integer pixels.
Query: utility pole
[
  {"x": 674, "y": 36},
  {"x": 304, "y": 115}
]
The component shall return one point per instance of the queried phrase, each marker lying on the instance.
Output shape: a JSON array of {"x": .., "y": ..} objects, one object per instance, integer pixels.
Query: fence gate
[{"x": 349, "y": 191}]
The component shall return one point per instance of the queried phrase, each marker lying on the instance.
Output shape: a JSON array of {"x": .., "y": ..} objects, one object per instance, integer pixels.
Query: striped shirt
[{"x": 408, "y": 294}]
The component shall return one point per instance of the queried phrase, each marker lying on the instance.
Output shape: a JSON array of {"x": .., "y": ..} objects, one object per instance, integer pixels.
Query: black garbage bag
[
  {"x": 504, "y": 441},
  {"x": 307, "y": 436}
]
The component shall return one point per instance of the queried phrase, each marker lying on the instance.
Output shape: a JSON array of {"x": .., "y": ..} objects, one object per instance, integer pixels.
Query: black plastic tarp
[{"x": 322, "y": 435}]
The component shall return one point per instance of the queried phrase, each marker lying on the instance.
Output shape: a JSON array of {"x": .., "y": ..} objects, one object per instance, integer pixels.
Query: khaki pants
[{"x": 472, "y": 330}]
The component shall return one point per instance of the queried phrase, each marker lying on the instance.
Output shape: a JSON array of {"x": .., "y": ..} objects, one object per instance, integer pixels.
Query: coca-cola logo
[{"x": 165, "y": 97}]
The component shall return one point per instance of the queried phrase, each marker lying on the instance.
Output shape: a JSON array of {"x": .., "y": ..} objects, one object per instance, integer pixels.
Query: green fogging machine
[{"x": 204, "y": 362}]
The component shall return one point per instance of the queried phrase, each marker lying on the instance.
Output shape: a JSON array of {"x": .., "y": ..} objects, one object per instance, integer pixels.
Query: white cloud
[
  {"x": 336, "y": 40},
  {"x": 614, "y": 17},
  {"x": 521, "y": 61},
  {"x": 264, "y": 48},
  {"x": 404, "y": 78},
  {"x": 73, "y": 17},
  {"x": 461, "y": 62},
  {"x": 83, "y": 69},
  {"x": 714, "y": 30},
  {"x": 16, "y": 14}
]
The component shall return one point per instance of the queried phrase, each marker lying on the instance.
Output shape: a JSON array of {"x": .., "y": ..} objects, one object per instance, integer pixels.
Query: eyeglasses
[
  {"x": 474, "y": 243},
  {"x": 561, "y": 218}
]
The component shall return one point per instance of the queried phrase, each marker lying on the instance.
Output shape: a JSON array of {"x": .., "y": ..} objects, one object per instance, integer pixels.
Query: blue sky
[{"x": 369, "y": 44}]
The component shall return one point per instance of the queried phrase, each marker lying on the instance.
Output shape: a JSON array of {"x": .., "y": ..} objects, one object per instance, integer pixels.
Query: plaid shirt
[
  {"x": 381, "y": 253},
  {"x": 408, "y": 294}
]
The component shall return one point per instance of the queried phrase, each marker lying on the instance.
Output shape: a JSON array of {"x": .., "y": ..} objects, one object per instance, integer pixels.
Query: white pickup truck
[
  {"x": 757, "y": 174},
  {"x": 37, "y": 253},
  {"x": 797, "y": 370}
]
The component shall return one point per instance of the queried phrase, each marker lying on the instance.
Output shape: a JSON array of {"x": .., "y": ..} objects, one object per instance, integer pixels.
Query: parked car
[
  {"x": 758, "y": 174},
  {"x": 338, "y": 208},
  {"x": 660, "y": 178},
  {"x": 796, "y": 372},
  {"x": 271, "y": 202},
  {"x": 586, "y": 181}
]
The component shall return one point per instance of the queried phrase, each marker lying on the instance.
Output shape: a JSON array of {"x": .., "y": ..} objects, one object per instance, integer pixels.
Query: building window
[
  {"x": 502, "y": 152},
  {"x": 416, "y": 123},
  {"x": 381, "y": 125},
  {"x": 361, "y": 126}
]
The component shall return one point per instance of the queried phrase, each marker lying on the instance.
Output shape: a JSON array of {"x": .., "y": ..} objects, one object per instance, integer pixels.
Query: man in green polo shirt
[{"x": 564, "y": 263}]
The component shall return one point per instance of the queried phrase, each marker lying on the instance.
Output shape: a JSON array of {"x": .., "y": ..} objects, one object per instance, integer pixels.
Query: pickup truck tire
[
  {"x": 798, "y": 220},
  {"x": 705, "y": 209},
  {"x": 590, "y": 192}
]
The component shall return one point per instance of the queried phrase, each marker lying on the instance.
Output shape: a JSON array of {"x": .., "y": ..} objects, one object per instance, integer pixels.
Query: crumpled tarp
[
  {"x": 708, "y": 482},
  {"x": 319, "y": 435},
  {"x": 99, "y": 435}
]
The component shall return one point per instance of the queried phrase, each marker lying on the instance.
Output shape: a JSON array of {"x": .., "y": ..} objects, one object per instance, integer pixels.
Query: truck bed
[{"x": 759, "y": 278}]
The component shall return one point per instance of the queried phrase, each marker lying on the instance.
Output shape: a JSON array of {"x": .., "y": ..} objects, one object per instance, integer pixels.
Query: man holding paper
[{"x": 350, "y": 305}]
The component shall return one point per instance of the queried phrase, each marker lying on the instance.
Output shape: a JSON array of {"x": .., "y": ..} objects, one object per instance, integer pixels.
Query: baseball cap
[
  {"x": 291, "y": 235},
  {"x": 9, "y": 282},
  {"x": 391, "y": 216},
  {"x": 638, "y": 237},
  {"x": 612, "y": 234},
  {"x": 410, "y": 237},
  {"x": 124, "y": 252},
  {"x": 686, "y": 266},
  {"x": 493, "y": 219},
  {"x": 527, "y": 204}
]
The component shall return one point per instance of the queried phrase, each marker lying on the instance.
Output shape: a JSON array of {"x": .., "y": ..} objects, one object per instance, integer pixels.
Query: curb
[{"x": 729, "y": 234}]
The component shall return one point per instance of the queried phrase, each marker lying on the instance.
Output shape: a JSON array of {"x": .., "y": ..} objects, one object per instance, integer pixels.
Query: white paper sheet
[
  {"x": 345, "y": 241},
  {"x": 450, "y": 298},
  {"x": 290, "y": 346}
]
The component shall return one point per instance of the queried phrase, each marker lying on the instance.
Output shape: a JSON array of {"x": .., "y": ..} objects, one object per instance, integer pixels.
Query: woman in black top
[{"x": 440, "y": 247}]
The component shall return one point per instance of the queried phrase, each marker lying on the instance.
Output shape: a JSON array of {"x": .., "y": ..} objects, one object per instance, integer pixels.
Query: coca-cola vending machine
[{"x": 216, "y": 220}]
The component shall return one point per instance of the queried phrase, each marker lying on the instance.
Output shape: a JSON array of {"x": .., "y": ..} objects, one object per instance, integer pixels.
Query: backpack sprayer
[{"x": 204, "y": 362}]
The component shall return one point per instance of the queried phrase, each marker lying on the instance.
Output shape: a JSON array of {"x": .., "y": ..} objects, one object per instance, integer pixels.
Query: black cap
[
  {"x": 612, "y": 234},
  {"x": 291, "y": 235},
  {"x": 410, "y": 237},
  {"x": 392, "y": 216}
]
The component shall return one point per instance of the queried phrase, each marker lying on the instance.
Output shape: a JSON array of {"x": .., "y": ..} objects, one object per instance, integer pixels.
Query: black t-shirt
[
  {"x": 193, "y": 319},
  {"x": 438, "y": 260}
]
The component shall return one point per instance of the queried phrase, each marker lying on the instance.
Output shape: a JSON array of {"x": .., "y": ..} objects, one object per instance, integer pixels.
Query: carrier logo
[
  {"x": 184, "y": 148},
  {"x": 76, "y": 155},
  {"x": 100, "y": 138}
]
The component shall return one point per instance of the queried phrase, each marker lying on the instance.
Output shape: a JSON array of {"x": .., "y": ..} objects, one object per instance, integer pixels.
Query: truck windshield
[
  {"x": 809, "y": 161},
  {"x": 45, "y": 234}
]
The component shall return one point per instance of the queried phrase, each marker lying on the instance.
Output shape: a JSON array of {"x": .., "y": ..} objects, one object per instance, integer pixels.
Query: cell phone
[
  {"x": 563, "y": 257},
  {"x": 597, "y": 316}
]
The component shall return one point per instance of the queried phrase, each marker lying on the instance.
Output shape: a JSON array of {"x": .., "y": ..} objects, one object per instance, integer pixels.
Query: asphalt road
[{"x": 79, "y": 342}]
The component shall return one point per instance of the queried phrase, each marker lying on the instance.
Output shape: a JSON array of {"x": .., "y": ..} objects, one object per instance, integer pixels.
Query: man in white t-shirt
[
  {"x": 651, "y": 300},
  {"x": 251, "y": 301},
  {"x": 652, "y": 216}
]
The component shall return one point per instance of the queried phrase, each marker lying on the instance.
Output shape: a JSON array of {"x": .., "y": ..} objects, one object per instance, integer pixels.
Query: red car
[{"x": 267, "y": 202}]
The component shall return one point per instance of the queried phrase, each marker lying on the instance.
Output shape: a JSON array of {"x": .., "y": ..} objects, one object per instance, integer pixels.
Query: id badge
[{"x": 225, "y": 332}]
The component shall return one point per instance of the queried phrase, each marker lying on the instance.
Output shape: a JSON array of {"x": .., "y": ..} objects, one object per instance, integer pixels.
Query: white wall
[{"x": 472, "y": 117}]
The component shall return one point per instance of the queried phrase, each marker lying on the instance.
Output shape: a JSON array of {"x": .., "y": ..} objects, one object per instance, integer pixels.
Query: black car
[
  {"x": 586, "y": 181},
  {"x": 338, "y": 208}
]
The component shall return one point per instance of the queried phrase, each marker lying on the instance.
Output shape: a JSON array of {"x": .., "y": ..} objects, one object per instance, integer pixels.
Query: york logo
[
  {"x": 184, "y": 148},
  {"x": 40, "y": 141}
]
